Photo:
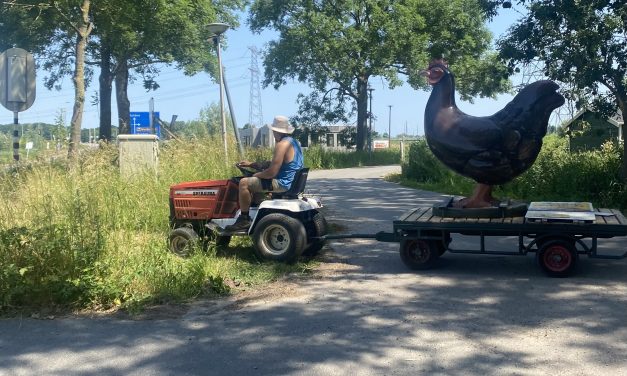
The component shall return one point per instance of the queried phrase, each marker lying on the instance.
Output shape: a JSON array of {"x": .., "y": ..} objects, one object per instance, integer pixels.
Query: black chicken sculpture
[{"x": 493, "y": 149}]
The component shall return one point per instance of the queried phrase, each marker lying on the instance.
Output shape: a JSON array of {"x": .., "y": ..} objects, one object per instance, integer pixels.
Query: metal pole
[
  {"x": 228, "y": 99},
  {"x": 16, "y": 138},
  {"x": 222, "y": 119},
  {"x": 370, "y": 90},
  {"x": 390, "y": 127}
]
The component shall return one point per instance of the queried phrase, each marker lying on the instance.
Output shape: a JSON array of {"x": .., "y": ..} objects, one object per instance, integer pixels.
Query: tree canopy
[
  {"x": 127, "y": 37},
  {"x": 580, "y": 43},
  {"x": 337, "y": 46}
]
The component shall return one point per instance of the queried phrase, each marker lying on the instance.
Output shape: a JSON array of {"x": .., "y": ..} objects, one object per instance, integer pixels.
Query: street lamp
[{"x": 217, "y": 29}]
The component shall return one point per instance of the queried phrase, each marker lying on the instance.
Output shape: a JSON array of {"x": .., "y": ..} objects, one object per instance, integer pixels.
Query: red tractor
[{"x": 284, "y": 226}]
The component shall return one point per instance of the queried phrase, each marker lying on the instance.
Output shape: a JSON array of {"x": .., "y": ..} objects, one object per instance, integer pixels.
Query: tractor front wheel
[{"x": 182, "y": 241}]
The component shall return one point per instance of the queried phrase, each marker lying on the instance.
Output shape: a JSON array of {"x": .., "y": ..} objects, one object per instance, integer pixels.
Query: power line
[{"x": 255, "y": 112}]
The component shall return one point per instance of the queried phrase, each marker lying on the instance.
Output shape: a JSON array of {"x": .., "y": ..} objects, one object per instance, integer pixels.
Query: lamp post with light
[{"x": 217, "y": 29}]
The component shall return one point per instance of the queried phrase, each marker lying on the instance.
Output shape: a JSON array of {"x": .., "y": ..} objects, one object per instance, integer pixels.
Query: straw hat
[{"x": 282, "y": 125}]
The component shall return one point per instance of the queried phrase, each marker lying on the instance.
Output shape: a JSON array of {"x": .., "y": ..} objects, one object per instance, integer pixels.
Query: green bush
[{"x": 317, "y": 157}]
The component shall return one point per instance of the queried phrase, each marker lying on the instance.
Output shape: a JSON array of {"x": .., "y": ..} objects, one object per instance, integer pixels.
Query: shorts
[{"x": 264, "y": 185}]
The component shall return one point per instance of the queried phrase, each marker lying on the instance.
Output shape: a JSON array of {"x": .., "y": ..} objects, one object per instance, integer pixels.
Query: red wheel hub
[{"x": 557, "y": 258}]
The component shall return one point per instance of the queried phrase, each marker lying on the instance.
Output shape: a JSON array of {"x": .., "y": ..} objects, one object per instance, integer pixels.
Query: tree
[
  {"x": 134, "y": 37},
  {"x": 337, "y": 46},
  {"x": 208, "y": 124},
  {"x": 347, "y": 137},
  {"x": 580, "y": 43}
]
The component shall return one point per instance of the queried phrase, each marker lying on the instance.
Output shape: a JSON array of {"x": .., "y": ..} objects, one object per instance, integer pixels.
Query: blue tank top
[{"x": 285, "y": 177}]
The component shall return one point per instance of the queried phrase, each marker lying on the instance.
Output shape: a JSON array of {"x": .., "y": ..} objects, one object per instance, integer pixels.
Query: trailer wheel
[
  {"x": 182, "y": 241},
  {"x": 318, "y": 228},
  {"x": 419, "y": 254},
  {"x": 557, "y": 258},
  {"x": 279, "y": 237}
]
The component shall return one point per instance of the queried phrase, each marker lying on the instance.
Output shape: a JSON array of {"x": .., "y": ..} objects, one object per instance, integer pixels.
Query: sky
[{"x": 185, "y": 96}]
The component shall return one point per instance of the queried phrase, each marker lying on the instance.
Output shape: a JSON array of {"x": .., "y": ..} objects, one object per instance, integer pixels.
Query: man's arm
[{"x": 277, "y": 160}]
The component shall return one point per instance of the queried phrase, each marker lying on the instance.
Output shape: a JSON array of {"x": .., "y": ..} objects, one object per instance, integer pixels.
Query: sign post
[{"x": 17, "y": 87}]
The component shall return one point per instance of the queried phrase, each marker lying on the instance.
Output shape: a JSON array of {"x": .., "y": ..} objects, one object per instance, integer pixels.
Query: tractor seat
[{"x": 298, "y": 185}]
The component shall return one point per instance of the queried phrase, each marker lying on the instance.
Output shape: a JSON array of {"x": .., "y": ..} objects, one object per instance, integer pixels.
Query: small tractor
[{"x": 284, "y": 225}]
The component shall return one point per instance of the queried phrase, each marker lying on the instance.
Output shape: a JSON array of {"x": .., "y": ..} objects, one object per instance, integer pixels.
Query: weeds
[{"x": 83, "y": 237}]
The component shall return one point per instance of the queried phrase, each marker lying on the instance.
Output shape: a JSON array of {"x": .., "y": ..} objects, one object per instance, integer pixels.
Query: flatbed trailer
[{"x": 423, "y": 237}]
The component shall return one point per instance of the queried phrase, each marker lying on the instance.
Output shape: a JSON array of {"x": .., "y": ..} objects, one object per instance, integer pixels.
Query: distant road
[{"x": 360, "y": 313}]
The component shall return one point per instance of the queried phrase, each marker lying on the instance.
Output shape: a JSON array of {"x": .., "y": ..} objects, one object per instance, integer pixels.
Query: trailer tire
[
  {"x": 419, "y": 254},
  {"x": 557, "y": 258},
  {"x": 279, "y": 237},
  {"x": 318, "y": 227},
  {"x": 182, "y": 241}
]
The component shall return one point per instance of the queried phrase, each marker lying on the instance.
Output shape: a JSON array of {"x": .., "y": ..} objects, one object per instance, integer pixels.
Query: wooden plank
[
  {"x": 610, "y": 219},
  {"x": 415, "y": 215},
  {"x": 447, "y": 220},
  {"x": 483, "y": 220},
  {"x": 518, "y": 220},
  {"x": 426, "y": 216},
  {"x": 619, "y": 216},
  {"x": 600, "y": 219}
]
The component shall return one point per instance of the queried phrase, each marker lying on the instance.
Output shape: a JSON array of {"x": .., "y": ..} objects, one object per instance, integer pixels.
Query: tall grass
[
  {"x": 557, "y": 175},
  {"x": 84, "y": 237},
  {"x": 318, "y": 157}
]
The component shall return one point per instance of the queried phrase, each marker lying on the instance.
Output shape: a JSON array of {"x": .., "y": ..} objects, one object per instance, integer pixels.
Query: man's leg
[
  {"x": 244, "y": 221},
  {"x": 245, "y": 196}
]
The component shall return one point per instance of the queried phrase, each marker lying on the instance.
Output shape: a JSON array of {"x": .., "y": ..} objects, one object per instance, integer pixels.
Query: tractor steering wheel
[{"x": 247, "y": 171}]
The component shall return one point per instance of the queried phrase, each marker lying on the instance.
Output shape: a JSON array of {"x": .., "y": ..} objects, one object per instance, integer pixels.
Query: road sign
[
  {"x": 17, "y": 79},
  {"x": 140, "y": 123},
  {"x": 380, "y": 144}
]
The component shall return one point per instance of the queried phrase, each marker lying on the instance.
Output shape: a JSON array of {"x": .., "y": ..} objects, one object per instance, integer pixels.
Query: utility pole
[
  {"x": 370, "y": 90},
  {"x": 390, "y": 127},
  {"x": 217, "y": 29}
]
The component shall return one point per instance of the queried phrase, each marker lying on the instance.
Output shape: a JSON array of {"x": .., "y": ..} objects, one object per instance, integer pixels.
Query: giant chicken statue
[{"x": 491, "y": 149}]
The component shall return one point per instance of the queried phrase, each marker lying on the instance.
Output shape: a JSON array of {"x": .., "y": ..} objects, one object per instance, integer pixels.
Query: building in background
[
  {"x": 587, "y": 130},
  {"x": 262, "y": 137}
]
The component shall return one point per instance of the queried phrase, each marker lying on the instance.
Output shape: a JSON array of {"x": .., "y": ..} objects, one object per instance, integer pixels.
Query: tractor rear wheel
[
  {"x": 279, "y": 237},
  {"x": 317, "y": 227}
]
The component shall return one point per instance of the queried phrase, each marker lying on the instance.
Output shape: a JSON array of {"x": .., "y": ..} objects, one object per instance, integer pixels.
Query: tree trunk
[
  {"x": 84, "y": 28},
  {"x": 106, "y": 86},
  {"x": 362, "y": 113},
  {"x": 121, "y": 95}
]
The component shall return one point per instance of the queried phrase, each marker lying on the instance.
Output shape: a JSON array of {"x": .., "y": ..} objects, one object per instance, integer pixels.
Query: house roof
[{"x": 616, "y": 119}]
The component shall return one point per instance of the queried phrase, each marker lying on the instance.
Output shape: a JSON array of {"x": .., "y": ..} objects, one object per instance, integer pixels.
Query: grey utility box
[{"x": 139, "y": 154}]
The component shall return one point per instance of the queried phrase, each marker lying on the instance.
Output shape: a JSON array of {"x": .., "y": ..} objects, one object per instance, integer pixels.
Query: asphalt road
[{"x": 361, "y": 313}]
